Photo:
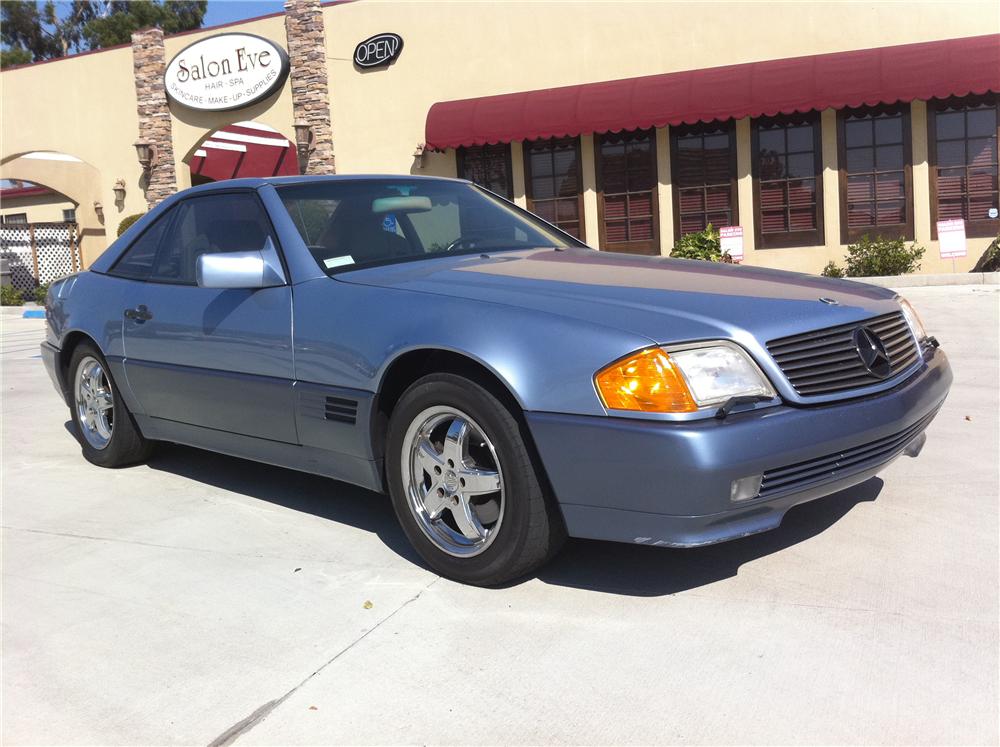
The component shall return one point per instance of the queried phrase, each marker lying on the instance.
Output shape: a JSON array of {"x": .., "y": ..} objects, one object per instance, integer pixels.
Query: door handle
[{"x": 139, "y": 314}]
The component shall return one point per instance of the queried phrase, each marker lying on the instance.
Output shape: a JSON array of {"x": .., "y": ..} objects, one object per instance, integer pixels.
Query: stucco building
[{"x": 805, "y": 124}]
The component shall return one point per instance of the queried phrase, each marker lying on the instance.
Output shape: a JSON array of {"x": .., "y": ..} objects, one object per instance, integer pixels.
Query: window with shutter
[
  {"x": 553, "y": 180},
  {"x": 876, "y": 196},
  {"x": 488, "y": 166},
  {"x": 626, "y": 183},
  {"x": 963, "y": 152},
  {"x": 703, "y": 164},
  {"x": 787, "y": 167}
]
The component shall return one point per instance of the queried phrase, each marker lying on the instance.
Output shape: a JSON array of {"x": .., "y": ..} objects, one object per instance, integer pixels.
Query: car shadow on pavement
[
  {"x": 617, "y": 568},
  {"x": 298, "y": 491},
  {"x": 609, "y": 567}
]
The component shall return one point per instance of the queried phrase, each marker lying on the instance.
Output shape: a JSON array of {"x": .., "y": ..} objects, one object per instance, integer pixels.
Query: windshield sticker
[
  {"x": 338, "y": 261},
  {"x": 389, "y": 223}
]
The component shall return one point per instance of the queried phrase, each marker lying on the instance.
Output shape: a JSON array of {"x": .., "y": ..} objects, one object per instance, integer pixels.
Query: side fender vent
[{"x": 342, "y": 410}]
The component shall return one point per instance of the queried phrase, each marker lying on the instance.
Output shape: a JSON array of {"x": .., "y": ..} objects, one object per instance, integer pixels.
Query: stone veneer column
[
  {"x": 310, "y": 92},
  {"x": 149, "y": 62}
]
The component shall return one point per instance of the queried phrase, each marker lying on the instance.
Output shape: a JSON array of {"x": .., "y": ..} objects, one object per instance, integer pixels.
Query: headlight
[
  {"x": 717, "y": 372},
  {"x": 912, "y": 320},
  {"x": 682, "y": 380}
]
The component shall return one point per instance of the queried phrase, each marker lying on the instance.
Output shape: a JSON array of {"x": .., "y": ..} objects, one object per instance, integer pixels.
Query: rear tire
[
  {"x": 464, "y": 485},
  {"x": 104, "y": 426}
]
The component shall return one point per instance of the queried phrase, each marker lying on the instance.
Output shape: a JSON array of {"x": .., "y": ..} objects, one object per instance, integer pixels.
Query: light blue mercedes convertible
[{"x": 505, "y": 384}]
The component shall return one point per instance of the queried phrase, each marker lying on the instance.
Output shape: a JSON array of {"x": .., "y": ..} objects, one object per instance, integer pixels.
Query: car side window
[
  {"x": 213, "y": 224},
  {"x": 137, "y": 261}
]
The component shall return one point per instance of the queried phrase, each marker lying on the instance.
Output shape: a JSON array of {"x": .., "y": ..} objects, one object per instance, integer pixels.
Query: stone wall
[
  {"x": 310, "y": 91},
  {"x": 149, "y": 61}
]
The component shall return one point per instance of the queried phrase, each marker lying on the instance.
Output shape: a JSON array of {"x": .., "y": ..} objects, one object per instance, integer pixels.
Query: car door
[{"x": 207, "y": 357}]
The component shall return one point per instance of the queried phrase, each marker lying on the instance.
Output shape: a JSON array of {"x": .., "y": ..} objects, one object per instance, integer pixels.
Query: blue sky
[
  {"x": 227, "y": 11},
  {"x": 219, "y": 11}
]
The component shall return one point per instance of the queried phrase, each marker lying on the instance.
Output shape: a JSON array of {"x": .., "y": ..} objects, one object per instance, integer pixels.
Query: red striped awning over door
[{"x": 244, "y": 149}]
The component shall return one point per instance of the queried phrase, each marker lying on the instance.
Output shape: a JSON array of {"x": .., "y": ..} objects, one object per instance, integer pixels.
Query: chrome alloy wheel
[
  {"x": 453, "y": 481},
  {"x": 94, "y": 403}
]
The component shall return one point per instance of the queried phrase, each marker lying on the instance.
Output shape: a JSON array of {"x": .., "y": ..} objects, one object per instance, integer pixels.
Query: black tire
[
  {"x": 126, "y": 444},
  {"x": 532, "y": 530}
]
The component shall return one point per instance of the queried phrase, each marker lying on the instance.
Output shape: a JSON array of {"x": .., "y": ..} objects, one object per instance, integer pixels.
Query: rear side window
[
  {"x": 137, "y": 262},
  {"x": 234, "y": 222}
]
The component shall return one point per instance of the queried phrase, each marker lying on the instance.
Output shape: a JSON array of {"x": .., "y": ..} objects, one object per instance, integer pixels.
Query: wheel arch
[
  {"x": 409, "y": 365},
  {"x": 70, "y": 342}
]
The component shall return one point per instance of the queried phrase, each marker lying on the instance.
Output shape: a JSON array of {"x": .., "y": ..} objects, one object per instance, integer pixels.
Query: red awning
[
  {"x": 244, "y": 149},
  {"x": 938, "y": 69}
]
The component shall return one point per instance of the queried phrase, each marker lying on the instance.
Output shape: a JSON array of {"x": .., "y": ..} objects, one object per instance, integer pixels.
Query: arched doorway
[
  {"x": 66, "y": 191},
  {"x": 38, "y": 233},
  {"x": 240, "y": 150},
  {"x": 27, "y": 202}
]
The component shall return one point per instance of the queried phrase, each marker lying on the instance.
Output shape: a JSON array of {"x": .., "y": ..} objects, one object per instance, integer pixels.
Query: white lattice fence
[{"x": 39, "y": 253}]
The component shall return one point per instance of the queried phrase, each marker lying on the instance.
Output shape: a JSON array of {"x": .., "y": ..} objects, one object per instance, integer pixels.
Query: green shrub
[
  {"x": 127, "y": 221},
  {"x": 882, "y": 256},
  {"x": 11, "y": 296},
  {"x": 703, "y": 245},
  {"x": 832, "y": 271},
  {"x": 990, "y": 261},
  {"x": 39, "y": 294}
]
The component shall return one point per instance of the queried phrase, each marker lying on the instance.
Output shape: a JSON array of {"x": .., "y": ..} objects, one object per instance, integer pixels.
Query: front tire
[
  {"x": 104, "y": 426},
  {"x": 464, "y": 485}
]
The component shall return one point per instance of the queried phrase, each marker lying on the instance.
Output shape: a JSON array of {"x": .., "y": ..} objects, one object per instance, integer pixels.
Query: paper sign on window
[
  {"x": 951, "y": 238},
  {"x": 731, "y": 240}
]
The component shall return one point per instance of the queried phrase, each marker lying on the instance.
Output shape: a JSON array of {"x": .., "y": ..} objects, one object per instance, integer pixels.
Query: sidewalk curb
[
  {"x": 951, "y": 278},
  {"x": 22, "y": 311}
]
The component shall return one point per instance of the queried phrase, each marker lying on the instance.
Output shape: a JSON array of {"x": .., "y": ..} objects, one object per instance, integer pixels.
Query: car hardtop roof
[{"x": 277, "y": 181}]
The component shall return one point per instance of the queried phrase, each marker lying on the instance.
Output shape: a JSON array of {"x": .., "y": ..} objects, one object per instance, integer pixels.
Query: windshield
[{"x": 347, "y": 224}]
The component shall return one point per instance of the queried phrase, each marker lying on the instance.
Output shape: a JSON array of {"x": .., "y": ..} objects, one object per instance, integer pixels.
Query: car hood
[{"x": 666, "y": 300}]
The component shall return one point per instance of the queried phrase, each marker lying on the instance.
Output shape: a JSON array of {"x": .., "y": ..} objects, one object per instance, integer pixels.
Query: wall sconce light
[
  {"x": 419, "y": 155},
  {"x": 119, "y": 190},
  {"x": 99, "y": 209},
  {"x": 303, "y": 143},
  {"x": 147, "y": 155}
]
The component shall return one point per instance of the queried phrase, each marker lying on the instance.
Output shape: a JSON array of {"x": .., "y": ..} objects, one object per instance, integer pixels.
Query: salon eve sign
[{"x": 226, "y": 71}]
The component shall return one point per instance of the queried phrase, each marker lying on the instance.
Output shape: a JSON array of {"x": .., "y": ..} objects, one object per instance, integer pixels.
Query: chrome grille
[
  {"x": 841, "y": 464},
  {"x": 827, "y": 360}
]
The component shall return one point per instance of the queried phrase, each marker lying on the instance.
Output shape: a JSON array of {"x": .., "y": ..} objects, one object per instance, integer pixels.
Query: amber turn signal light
[{"x": 647, "y": 382}]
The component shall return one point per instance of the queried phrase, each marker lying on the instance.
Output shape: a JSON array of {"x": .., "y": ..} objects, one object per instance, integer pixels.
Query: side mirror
[{"x": 247, "y": 270}]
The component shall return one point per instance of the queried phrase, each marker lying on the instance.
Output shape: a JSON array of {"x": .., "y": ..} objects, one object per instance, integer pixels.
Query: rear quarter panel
[{"x": 89, "y": 303}]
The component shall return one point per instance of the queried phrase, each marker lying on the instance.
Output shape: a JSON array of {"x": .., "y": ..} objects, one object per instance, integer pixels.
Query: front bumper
[{"x": 668, "y": 483}]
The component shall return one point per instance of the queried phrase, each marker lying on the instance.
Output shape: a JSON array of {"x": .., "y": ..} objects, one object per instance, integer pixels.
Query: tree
[
  {"x": 31, "y": 32},
  {"x": 41, "y": 31},
  {"x": 123, "y": 17},
  {"x": 14, "y": 56}
]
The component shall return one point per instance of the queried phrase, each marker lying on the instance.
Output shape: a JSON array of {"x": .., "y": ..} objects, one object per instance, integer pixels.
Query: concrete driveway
[{"x": 203, "y": 599}]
